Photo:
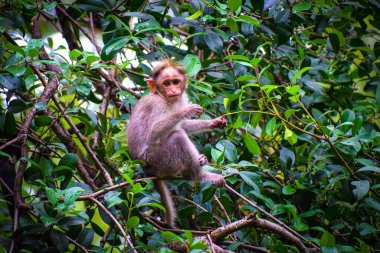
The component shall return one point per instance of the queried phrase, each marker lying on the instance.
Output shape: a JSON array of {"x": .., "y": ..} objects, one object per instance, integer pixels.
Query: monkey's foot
[
  {"x": 202, "y": 159},
  {"x": 216, "y": 179}
]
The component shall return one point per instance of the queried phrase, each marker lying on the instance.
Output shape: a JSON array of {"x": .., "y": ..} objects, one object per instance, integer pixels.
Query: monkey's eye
[
  {"x": 167, "y": 83},
  {"x": 176, "y": 81}
]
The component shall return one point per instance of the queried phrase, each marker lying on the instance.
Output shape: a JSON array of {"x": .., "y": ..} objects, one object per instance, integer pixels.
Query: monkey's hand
[
  {"x": 191, "y": 110},
  {"x": 219, "y": 122}
]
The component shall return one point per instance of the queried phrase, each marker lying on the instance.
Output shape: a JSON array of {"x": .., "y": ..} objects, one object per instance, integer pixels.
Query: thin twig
[
  {"x": 9, "y": 143},
  {"x": 77, "y": 244},
  {"x": 200, "y": 207},
  {"x": 210, "y": 242},
  {"x": 100, "y": 205}
]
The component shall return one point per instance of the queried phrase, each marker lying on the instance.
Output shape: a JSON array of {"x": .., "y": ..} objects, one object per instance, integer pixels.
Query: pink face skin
[{"x": 170, "y": 83}]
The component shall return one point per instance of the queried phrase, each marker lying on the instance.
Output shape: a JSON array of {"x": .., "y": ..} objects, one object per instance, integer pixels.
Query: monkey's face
[{"x": 171, "y": 84}]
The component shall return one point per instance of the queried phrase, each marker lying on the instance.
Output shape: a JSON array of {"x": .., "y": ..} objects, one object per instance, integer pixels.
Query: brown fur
[{"x": 158, "y": 133}]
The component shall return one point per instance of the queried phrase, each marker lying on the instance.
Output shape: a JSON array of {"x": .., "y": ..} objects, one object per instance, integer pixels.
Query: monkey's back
[{"x": 139, "y": 126}]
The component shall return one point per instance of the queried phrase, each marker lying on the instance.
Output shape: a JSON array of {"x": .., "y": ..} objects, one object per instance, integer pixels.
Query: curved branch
[
  {"x": 250, "y": 221},
  {"x": 297, "y": 235},
  {"x": 100, "y": 205}
]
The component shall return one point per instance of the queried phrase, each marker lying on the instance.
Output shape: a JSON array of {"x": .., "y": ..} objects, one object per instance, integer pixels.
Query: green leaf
[
  {"x": 327, "y": 240},
  {"x": 113, "y": 47},
  {"x": 290, "y": 136},
  {"x": 42, "y": 120},
  {"x": 255, "y": 119},
  {"x": 370, "y": 168},
  {"x": 348, "y": 116},
  {"x": 59, "y": 239},
  {"x": 247, "y": 176},
  {"x": 299, "y": 73},
  {"x": 200, "y": 86},
  {"x": 334, "y": 41},
  {"x": 35, "y": 43},
  {"x": 232, "y": 25},
  {"x": 301, "y": 7},
  {"x": 133, "y": 222},
  {"x": 238, "y": 123},
  {"x": 288, "y": 190},
  {"x": 189, "y": 236},
  {"x": 153, "y": 204},
  {"x": 217, "y": 155},
  {"x": 237, "y": 57},
  {"x": 2, "y": 153},
  {"x": 171, "y": 237},
  {"x": 230, "y": 151},
  {"x": 85, "y": 237},
  {"x": 52, "y": 195},
  {"x": 46, "y": 167},
  {"x": 248, "y": 20},
  {"x": 12, "y": 82},
  {"x": 214, "y": 42},
  {"x": 196, "y": 15},
  {"x": 71, "y": 194},
  {"x": 292, "y": 90},
  {"x": 251, "y": 144},
  {"x": 140, "y": 15},
  {"x": 74, "y": 54},
  {"x": 226, "y": 102},
  {"x": 112, "y": 198},
  {"x": 270, "y": 126},
  {"x": 361, "y": 188},
  {"x": 69, "y": 160},
  {"x": 91, "y": 59},
  {"x": 192, "y": 64},
  {"x": 255, "y": 61},
  {"x": 41, "y": 106},
  {"x": 16, "y": 106},
  {"x": 16, "y": 70},
  {"x": 234, "y": 4},
  {"x": 92, "y": 116},
  {"x": 96, "y": 6},
  {"x": 137, "y": 188},
  {"x": 208, "y": 192}
]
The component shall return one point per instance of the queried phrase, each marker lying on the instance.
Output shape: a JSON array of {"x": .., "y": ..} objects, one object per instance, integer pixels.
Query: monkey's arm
[
  {"x": 194, "y": 126},
  {"x": 164, "y": 127},
  {"x": 200, "y": 125}
]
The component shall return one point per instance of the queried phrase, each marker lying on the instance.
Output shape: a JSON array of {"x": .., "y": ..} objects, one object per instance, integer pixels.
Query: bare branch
[
  {"x": 100, "y": 205},
  {"x": 297, "y": 235},
  {"x": 65, "y": 137},
  {"x": 77, "y": 244},
  {"x": 250, "y": 221}
]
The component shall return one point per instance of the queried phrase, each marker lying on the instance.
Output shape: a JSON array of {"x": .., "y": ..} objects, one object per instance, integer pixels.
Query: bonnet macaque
[{"x": 158, "y": 132}]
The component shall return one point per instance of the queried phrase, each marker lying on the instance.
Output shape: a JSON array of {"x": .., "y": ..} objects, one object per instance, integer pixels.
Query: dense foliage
[{"x": 297, "y": 80}]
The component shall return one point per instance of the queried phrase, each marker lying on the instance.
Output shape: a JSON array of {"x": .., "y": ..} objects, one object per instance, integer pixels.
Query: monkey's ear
[{"x": 151, "y": 84}]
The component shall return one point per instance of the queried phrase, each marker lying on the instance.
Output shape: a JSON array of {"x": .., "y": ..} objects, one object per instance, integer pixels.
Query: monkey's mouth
[{"x": 174, "y": 95}]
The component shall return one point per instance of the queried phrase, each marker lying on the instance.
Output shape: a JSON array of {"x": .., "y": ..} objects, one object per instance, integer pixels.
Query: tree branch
[
  {"x": 297, "y": 235},
  {"x": 46, "y": 95},
  {"x": 100, "y": 205},
  {"x": 250, "y": 221}
]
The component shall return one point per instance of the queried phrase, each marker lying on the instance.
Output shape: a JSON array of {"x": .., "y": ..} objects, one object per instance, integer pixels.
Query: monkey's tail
[{"x": 167, "y": 201}]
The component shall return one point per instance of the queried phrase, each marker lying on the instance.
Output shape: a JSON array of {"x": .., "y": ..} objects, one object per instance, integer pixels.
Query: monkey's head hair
[{"x": 166, "y": 64}]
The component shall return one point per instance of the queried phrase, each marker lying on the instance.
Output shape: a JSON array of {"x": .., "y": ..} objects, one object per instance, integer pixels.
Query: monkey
[{"x": 159, "y": 128}]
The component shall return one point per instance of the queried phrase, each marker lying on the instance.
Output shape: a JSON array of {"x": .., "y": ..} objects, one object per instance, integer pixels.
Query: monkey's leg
[
  {"x": 191, "y": 160},
  {"x": 202, "y": 160}
]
